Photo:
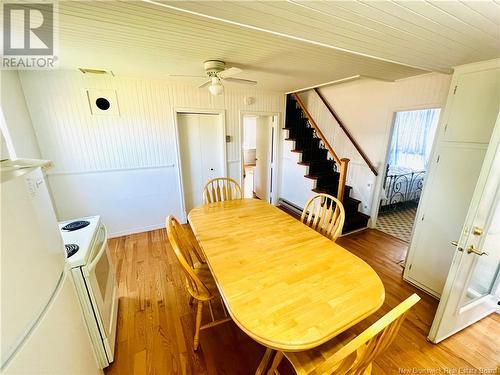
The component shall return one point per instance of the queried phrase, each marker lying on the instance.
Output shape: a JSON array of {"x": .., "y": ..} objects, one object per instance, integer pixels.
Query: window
[{"x": 412, "y": 138}]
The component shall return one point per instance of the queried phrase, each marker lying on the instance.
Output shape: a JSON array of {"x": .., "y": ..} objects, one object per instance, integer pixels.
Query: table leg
[{"x": 261, "y": 370}]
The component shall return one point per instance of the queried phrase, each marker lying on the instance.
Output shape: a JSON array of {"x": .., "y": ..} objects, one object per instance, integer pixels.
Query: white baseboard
[{"x": 146, "y": 228}]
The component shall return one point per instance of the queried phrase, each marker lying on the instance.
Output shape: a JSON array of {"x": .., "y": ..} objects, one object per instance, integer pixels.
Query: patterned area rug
[{"x": 397, "y": 223}]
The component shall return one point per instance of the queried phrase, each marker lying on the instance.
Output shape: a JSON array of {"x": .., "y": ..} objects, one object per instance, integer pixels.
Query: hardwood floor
[{"x": 156, "y": 323}]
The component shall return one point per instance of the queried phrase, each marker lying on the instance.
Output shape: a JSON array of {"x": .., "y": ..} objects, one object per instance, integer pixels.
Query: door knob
[
  {"x": 472, "y": 249},
  {"x": 455, "y": 243}
]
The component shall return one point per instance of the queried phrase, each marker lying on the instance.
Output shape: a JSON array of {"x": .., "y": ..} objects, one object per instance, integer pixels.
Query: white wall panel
[{"x": 91, "y": 154}]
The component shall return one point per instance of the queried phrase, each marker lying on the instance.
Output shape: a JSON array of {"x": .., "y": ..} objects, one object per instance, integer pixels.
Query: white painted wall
[
  {"x": 367, "y": 107},
  {"x": 16, "y": 119},
  {"x": 124, "y": 167}
]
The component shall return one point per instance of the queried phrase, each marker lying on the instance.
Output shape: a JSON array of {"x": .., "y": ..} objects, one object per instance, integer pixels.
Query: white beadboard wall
[
  {"x": 124, "y": 167},
  {"x": 367, "y": 107}
]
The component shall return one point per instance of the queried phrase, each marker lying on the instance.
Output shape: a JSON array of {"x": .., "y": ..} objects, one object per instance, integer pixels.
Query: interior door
[
  {"x": 472, "y": 287},
  {"x": 202, "y": 151},
  {"x": 453, "y": 174},
  {"x": 263, "y": 152}
]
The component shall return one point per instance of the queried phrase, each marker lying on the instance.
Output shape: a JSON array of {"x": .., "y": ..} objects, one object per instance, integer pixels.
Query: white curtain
[{"x": 412, "y": 138}]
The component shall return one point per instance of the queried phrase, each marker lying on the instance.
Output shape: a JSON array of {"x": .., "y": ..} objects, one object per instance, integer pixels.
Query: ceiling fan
[{"x": 217, "y": 72}]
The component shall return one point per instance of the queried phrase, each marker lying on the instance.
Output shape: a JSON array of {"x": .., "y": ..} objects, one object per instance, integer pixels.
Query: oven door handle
[{"x": 98, "y": 256}]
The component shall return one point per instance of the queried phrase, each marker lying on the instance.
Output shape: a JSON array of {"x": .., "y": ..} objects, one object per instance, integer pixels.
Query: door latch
[{"x": 455, "y": 243}]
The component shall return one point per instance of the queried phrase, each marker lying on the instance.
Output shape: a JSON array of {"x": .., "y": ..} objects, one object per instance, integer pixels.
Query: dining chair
[
  {"x": 221, "y": 189},
  {"x": 200, "y": 283},
  {"x": 341, "y": 356},
  {"x": 324, "y": 214}
]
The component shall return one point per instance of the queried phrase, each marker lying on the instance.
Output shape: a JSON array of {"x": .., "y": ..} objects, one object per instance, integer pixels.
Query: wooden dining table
[{"x": 285, "y": 285}]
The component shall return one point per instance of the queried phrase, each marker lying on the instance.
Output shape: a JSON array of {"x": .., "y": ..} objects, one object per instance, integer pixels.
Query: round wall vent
[{"x": 102, "y": 103}]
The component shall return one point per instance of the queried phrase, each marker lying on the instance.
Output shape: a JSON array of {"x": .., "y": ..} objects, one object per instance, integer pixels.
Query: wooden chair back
[
  {"x": 221, "y": 189},
  {"x": 357, "y": 356},
  {"x": 184, "y": 253},
  {"x": 325, "y": 214}
]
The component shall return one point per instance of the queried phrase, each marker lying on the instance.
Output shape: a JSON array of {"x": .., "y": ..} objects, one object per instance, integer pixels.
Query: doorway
[
  {"x": 202, "y": 153},
  {"x": 405, "y": 170},
  {"x": 258, "y": 146}
]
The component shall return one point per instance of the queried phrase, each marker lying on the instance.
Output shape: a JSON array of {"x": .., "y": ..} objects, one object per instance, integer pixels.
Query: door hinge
[
  {"x": 455, "y": 90},
  {"x": 422, "y": 218},
  {"x": 409, "y": 268},
  {"x": 437, "y": 160},
  {"x": 445, "y": 128}
]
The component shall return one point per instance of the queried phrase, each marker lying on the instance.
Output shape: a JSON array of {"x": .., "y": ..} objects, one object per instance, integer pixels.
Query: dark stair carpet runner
[{"x": 321, "y": 168}]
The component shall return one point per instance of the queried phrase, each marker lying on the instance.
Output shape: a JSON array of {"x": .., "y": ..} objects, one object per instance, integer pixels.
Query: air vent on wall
[
  {"x": 103, "y": 102},
  {"x": 95, "y": 71}
]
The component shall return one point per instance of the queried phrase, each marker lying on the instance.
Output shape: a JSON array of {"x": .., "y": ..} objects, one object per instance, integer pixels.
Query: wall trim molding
[
  {"x": 111, "y": 170},
  {"x": 135, "y": 230}
]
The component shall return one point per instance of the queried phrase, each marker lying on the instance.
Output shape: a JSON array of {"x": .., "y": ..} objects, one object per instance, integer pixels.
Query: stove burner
[
  {"x": 71, "y": 249},
  {"x": 75, "y": 225}
]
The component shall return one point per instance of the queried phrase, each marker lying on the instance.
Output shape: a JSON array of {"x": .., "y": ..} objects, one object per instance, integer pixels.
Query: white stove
[
  {"x": 92, "y": 269},
  {"x": 82, "y": 235}
]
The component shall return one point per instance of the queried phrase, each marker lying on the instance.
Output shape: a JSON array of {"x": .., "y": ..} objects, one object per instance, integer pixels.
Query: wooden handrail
[
  {"x": 346, "y": 131},
  {"x": 316, "y": 127}
]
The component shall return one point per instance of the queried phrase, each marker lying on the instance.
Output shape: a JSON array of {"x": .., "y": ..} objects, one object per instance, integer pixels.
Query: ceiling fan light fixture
[{"x": 216, "y": 87}]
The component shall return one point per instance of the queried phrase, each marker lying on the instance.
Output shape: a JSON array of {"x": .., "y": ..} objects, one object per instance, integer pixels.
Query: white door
[
  {"x": 202, "y": 151},
  {"x": 453, "y": 174},
  {"x": 472, "y": 287},
  {"x": 263, "y": 157}
]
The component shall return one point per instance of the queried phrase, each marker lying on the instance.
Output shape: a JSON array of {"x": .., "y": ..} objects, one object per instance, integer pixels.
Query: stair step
[
  {"x": 332, "y": 190},
  {"x": 355, "y": 221},
  {"x": 315, "y": 176},
  {"x": 351, "y": 205}
]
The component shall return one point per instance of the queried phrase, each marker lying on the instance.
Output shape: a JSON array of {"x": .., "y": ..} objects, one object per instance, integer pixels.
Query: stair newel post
[{"x": 344, "y": 162}]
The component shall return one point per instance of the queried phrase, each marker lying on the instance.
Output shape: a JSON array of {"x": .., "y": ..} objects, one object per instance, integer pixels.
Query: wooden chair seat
[{"x": 306, "y": 361}]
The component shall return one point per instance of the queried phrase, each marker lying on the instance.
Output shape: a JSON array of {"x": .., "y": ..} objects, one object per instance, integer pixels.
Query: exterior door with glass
[{"x": 472, "y": 289}]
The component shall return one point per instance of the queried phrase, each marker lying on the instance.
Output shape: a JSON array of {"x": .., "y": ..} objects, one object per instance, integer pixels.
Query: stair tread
[{"x": 316, "y": 176}]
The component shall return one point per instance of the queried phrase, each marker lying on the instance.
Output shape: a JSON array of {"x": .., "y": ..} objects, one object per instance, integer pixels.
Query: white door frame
[
  {"x": 378, "y": 189},
  {"x": 275, "y": 144},
  {"x": 183, "y": 110}
]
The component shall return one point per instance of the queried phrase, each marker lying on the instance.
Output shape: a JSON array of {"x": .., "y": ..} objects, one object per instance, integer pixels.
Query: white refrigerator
[{"x": 42, "y": 326}]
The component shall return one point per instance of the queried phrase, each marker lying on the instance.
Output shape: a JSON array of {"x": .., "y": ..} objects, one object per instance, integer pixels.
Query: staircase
[{"x": 322, "y": 168}]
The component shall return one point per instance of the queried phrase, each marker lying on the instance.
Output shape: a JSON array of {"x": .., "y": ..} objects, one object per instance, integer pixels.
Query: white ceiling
[
  {"x": 144, "y": 39},
  {"x": 432, "y": 35}
]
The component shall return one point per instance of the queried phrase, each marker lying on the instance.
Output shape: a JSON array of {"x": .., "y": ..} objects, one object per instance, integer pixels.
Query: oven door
[{"x": 101, "y": 284}]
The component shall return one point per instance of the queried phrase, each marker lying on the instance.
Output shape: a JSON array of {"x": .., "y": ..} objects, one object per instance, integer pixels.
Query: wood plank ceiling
[
  {"x": 431, "y": 35},
  {"x": 303, "y": 44}
]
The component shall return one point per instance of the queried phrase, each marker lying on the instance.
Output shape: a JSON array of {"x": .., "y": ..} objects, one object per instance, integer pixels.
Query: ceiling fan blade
[
  {"x": 240, "y": 80},
  {"x": 186, "y": 75},
  {"x": 205, "y": 84},
  {"x": 229, "y": 72}
]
